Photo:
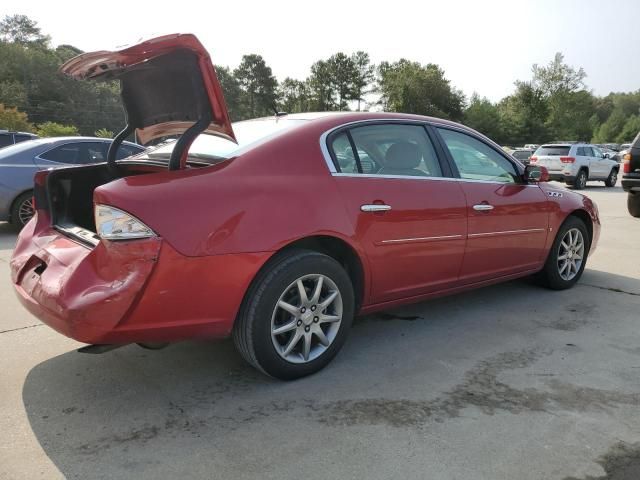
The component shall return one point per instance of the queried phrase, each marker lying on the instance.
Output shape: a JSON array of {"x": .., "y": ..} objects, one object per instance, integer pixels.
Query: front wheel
[
  {"x": 612, "y": 179},
  {"x": 568, "y": 256},
  {"x": 296, "y": 315}
]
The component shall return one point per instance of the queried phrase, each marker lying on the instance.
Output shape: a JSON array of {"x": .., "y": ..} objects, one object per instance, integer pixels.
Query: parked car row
[{"x": 19, "y": 163}]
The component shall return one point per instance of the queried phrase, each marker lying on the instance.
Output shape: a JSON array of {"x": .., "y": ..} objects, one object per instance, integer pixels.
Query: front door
[
  {"x": 508, "y": 220},
  {"x": 410, "y": 220}
]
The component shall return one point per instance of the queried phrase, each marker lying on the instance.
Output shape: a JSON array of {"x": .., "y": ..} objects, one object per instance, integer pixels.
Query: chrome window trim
[
  {"x": 411, "y": 177},
  {"x": 324, "y": 148},
  {"x": 323, "y": 138}
]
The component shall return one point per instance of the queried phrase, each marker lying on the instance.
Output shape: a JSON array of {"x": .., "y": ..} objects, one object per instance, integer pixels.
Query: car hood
[{"x": 167, "y": 84}]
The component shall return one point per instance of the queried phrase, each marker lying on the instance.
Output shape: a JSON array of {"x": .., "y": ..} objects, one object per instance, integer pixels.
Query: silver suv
[{"x": 576, "y": 163}]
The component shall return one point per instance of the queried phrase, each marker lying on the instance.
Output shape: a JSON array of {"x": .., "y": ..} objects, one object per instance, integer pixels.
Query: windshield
[{"x": 213, "y": 149}]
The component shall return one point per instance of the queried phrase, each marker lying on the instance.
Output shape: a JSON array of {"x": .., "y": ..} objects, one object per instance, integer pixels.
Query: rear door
[
  {"x": 408, "y": 216},
  {"x": 507, "y": 219}
]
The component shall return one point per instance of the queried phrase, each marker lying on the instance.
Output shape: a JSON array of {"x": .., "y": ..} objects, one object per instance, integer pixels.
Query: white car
[{"x": 576, "y": 163}]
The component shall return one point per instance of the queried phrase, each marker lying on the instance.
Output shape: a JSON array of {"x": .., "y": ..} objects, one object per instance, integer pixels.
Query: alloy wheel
[
  {"x": 570, "y": 254},
  {"x": 306, "y": 318},
  {"x": 26, "y": 211}
]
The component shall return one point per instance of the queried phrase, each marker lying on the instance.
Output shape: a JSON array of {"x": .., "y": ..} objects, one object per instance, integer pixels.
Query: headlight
[{"x": 114, "y": 224}]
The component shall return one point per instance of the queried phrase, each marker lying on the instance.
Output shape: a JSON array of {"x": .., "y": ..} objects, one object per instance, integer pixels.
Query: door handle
[
  {"x": 375, "y": 208},
  {"x": 483, "y": 207}
]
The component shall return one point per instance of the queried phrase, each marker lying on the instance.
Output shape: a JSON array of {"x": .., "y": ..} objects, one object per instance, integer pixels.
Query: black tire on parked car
[
  {"x": 633, "y": 204},
  {"x": 22, "y": 209},
  {"x": 296, "y": 314},
  {"x": 581, "y": 180},
  {"x": 612, "y": 179},
  {"x": 568, "y": 255}
]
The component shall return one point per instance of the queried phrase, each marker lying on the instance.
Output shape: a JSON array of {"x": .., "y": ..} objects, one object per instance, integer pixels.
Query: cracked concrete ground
[{"x": 507, "y": 382}]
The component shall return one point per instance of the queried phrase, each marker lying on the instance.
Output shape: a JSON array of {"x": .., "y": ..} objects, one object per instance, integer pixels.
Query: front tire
[
  {"x": 568, "y": 256},
  {"x": 612, "y": 179},
  {"x": 22, "y": 210},
  {"x": 296, "y": 315}
]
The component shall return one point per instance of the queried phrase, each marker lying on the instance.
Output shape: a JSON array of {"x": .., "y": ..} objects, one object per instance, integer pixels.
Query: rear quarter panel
[{"x": 272, "y": 195}]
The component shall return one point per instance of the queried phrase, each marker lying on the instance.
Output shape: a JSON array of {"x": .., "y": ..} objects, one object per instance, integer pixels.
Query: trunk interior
[{"x": 70, "y": 195}]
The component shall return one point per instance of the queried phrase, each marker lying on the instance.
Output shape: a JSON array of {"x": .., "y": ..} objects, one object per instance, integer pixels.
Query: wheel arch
[{"x": 586, "y": 218}]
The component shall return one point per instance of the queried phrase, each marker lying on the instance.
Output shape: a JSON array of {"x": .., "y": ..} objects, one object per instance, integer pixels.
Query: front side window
[
  {"x": 388, "y": 150},
  {"x": 5, "y": 140},
  {"x": 476, "y": 160}
]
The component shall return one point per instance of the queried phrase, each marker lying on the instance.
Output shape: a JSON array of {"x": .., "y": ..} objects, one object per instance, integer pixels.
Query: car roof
[{"x": 18, "y": 132}]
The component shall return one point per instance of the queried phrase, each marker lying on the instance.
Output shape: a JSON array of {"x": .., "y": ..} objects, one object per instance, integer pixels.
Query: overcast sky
[{"x": 483, "y": 45}]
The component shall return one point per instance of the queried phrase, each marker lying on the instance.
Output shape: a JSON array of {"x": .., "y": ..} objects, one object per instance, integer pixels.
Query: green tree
[
  {"x": 321, "y": 87},
  {"x": 410, "y": 87},
  {"x": 52, "y": 129},
  {"x": 294, "y": 96},
  {"x": 523, "y": 115},
  {"x": 364, "y": 75},
  {"x": 483, "y": 116},
  {"x": 342, "y": 71},
  {"x": 630, "y": 129},
  {"x": 12, "y": 119},
  {"x": 557, "y": 76},
  {"x": 21, "y": 29},
  {"x": 232, "y": 92},
  {"x": 258, "y": 85}
]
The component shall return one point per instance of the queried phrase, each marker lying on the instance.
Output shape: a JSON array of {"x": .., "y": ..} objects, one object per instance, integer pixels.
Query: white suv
[{"x": 576, "y": 163}]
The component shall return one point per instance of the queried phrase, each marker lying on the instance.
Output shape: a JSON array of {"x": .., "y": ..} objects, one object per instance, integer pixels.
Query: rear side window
[
  {"x": 77, "y": 153},
  {"x": 521, "y": 154},
  {"x": 6, "y": 140},
  {"x": 386, "y": 150},
  {"x": 553, "y": 150}
]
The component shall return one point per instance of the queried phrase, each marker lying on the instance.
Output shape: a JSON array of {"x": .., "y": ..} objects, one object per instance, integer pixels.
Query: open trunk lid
[{"x": 168, "y": 84}]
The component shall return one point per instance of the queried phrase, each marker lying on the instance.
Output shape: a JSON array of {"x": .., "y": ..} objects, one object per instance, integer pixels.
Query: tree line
[{"x": 554, "y": 104}]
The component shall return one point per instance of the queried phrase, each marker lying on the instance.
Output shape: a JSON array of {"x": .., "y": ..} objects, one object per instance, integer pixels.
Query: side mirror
[{"x": 536, "y": 174}]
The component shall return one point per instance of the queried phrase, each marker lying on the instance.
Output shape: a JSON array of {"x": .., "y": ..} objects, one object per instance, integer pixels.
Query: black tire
[
  {"x": 252, "y": 329},
  {"x": 612, "y": 179},
  {"x": 549, "y": 276},
  {"x": 581, "y": 180},
  {"x": 17, "y": 209},
  {"x": 633, "y": 204}
]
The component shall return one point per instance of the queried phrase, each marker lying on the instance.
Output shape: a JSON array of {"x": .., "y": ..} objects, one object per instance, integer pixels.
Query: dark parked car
[
  {"x": 631, "y": 176},
  {"x": 8, "y": 137},
  {"x": 523, "y": 154},
  {"x": 18, "y": 164}
]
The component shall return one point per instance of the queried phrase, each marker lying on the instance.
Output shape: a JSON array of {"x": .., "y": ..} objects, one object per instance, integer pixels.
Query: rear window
[
  {"x": 553, "y": 150},
  {"x": 213, "y": 149},
  {"x": 5, "y": 140}
]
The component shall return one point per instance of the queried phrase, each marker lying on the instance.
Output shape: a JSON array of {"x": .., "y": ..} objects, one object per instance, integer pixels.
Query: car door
[
  {"x": 507, "y": 219},
  {"x": 601, "y": 165},
  {"x": 409, "y": 218}
]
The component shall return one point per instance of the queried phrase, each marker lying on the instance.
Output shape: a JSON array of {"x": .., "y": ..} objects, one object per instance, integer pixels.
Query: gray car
[{"x": 19, "y": 162}]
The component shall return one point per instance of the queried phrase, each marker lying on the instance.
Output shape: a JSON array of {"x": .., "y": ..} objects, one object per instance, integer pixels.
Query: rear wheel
[
  {"x": 296, "y": 315},
  {"x": 612, "y": 179},
  {"x": 633, "y": 204},
  {"x": 581, "y": 180},
  {"x": 568, "y": 256},
  {"x": 22, "y": 210}
]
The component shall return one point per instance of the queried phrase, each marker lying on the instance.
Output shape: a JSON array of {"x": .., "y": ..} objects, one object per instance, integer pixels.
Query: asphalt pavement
[{"x": 506, "y": 382}]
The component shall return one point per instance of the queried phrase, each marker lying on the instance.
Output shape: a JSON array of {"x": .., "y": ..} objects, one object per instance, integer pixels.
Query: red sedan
[{"x": 279, "y": 230}]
